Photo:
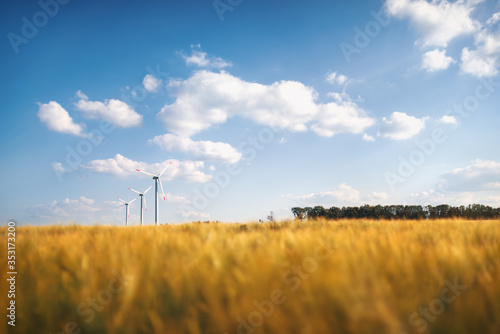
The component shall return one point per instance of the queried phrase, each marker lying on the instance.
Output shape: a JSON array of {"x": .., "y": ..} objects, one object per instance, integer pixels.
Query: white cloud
[
  {"x": 400, "y": 126},
  {"x": 72, "y": 209},
  {"x": 437, "y": 197},
  {"x": 176, "y": 199},
  {"x": 194, "y": 214},
  {"x": 114, "y": 111},
  {"x": 58, "y": 167},
  {"x": 367, "y": 137},
  {"x": 476, "y": 183},
  {"x": 205, "y": 150},
  {"x": 80, "y": 95},
  {"x": 493, "y": 19},
  {"x": 479, "y": 175},
  {"x": 438, "y": 21},
  {"x": 86, "y": 210},
  {"x": 86, "y": 200},
  {"x": 378, "y": 196},
  {"x": 57, "y": 119},
  {"x": 341, "y": 117},
  {"x": 448, "y": 120},
  {"x": 207, "y": 99},
  {"x": 122, "y": 166},
  {"x": 335, "y": 77},
  {"x": 151, "y": 83},
  {"x": 202, "y": 59},
  {"x": 484, "y": 60},
  {"x": 436, "y": 61},
  {"x": 342, "y": 195},
  {"x": 456, "y": 198},
  {"x": 441, "y": 21}
]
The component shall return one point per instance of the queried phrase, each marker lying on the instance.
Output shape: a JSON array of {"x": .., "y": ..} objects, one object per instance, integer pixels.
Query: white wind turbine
[
  {"x": 143, "y": 199},
  {"x": 126, "y": 209},
  {"x": 157, "y": 180}
]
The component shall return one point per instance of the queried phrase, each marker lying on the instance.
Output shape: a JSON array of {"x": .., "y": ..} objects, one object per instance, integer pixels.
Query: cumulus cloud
[
  {"x": 202, "y": 59},
  {"x": 493, "y": 19},
  {"x": 56, "y": 118},
  {"x": 441, "y": 21},
  {"x": 438, "y": 21},
  {"x": 477, "y": 183},
  {"x": 207, "y": 99},
  {"x": 194, "y": 214},
  {"x": 87, "y": 210},
  {"x": 485, "y": 58},
  {"x": 456, "y": 198},
  {"x": 367, "y": 137},
  {"x": 335, "y": 77},
  {"x": 58, "y": 167},
  {"x": 119, "y": 165},
  {"x": 436, "y": 60},
  {"x": 479, "y": 175},
  {"x": 342, "y": 195},
  {"x": 400, "y": 126},
  {"x": 176, "y": 199},
  {"x": 151, "y": 83},
  {"x": 377, "y": 196},
  {"x": 205, "y": 150},
  {"x": 69, "y": 208},
  {"x": 114, "y": 111},
  {"x": 437, "y": 197},
  {"x": 341, "y": 117},
  {"x": 448, "y": 120}
]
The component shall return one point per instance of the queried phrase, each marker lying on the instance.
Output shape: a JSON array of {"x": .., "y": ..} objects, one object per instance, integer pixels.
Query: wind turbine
[
  {"x": 126, "y": 209},
  {"x": 143, "y": 199},
  {"x": 157, "y": 180}
]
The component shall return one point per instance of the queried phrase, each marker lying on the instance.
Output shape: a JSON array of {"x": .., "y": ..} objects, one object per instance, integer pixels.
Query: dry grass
[{"x": 355, "y": 276}]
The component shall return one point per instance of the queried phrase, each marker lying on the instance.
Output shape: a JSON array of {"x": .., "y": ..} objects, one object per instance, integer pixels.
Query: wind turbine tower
[
  {"x": 157, "y": 180},
  {"x": 143, "y": 200},
  {"x": 126, "y": 209}
]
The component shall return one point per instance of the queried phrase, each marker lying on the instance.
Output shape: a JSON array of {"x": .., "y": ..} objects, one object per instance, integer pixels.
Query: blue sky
[{"x": 260, "y": 106}]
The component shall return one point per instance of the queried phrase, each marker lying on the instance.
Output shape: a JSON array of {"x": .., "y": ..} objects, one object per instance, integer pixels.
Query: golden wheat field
[{"x": 347, "y": 276}]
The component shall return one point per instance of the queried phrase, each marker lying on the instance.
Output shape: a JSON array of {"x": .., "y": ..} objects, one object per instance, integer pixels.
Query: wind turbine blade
[
  {"x": 135, "y": 191},
  {"x": 145, "y": 173},
  {"x": 132, "y": 200},
  {"x": 159, "y": 181},
  {"x": 145, "y": 205},
  {"x": 163, "y": 171},
  {"x": 144, "y": 193},
  {"x": 122, "y": 200}
]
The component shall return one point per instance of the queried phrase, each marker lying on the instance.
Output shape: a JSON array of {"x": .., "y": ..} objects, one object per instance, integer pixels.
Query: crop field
[{"x": 345, "y": 276}]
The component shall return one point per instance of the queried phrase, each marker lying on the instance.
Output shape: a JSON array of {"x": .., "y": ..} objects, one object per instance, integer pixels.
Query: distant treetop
[{"x": 472, "y": 211}]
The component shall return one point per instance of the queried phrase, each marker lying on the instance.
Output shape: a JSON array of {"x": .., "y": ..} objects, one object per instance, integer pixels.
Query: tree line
[{"x": 472, "y": 211}]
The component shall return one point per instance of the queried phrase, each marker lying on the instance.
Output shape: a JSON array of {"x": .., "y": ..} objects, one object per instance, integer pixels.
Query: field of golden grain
[{"x": 348, "y": 276}]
